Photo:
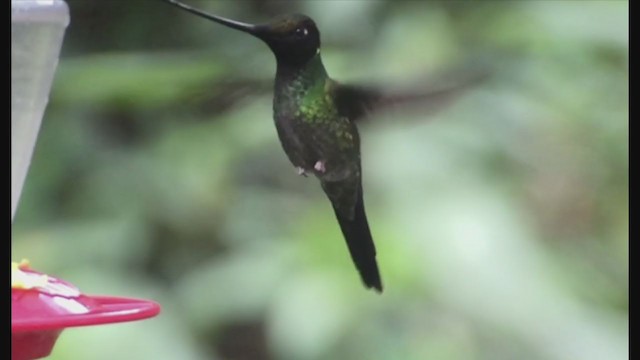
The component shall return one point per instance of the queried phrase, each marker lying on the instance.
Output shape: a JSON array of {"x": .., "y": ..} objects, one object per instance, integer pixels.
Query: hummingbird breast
[{"x": 310, "y": 129}]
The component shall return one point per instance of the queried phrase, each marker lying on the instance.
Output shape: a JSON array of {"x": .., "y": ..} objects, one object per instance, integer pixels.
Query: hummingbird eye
[{"x": 301, "y": 31}]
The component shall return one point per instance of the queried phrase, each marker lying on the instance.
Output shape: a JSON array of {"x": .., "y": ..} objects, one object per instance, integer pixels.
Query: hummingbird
[{"x": 315, "y": 118}]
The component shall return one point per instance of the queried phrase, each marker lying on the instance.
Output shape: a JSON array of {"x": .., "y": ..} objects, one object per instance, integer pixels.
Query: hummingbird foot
[
  {"x": 301, "y": 171},
  {"x": 319, "y": 166}
]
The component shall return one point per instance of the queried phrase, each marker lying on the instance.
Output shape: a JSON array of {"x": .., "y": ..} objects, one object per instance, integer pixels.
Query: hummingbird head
[{"x": 294, "y": 39}]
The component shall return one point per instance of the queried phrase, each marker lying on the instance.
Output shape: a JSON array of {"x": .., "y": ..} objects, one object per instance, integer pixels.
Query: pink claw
[{"x": 319, "y": 166}]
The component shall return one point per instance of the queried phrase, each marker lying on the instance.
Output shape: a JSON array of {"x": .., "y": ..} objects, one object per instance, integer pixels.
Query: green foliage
[{"x": 501, "y": 222}]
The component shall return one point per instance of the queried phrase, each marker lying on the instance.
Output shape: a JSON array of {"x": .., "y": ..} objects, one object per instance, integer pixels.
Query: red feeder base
[{"x": 40, "y": 312}]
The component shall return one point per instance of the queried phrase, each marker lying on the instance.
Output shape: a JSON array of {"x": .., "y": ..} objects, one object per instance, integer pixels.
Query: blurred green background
[{"x": 501, "y": 221}]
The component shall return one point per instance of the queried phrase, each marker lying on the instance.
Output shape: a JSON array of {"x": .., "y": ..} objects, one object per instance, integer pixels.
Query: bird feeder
[{"x": 42, "y": 306}]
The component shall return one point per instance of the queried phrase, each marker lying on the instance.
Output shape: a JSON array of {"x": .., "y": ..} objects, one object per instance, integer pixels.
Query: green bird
[{"x": 315, "y": 119}]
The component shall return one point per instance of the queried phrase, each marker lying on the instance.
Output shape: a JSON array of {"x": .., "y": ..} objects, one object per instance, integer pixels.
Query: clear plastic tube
[{"x": 37, "y": 30}]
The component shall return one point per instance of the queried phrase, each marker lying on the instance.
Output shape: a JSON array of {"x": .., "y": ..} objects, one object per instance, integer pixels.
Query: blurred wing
[
  {"x": 357, "y": 101},
  {"x": 215, "y": 96}
]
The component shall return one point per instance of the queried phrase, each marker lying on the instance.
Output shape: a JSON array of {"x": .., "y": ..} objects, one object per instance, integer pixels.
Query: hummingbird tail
[{"x": 360, "y": 243}]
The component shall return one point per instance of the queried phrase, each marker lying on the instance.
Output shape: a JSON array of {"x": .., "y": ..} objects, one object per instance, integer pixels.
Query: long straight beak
[{"x": 248, "y": 28}]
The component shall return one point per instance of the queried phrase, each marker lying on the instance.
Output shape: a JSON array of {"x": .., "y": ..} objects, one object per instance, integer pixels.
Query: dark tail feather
[{"x": 363, "y": 251}]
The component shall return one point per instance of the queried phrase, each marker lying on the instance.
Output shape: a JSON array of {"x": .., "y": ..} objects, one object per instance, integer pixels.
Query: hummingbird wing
[
  {"x": 348, "y": 205},
  {"x": 215, "y": 96},
  {"x": 357, "y": 101}
]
